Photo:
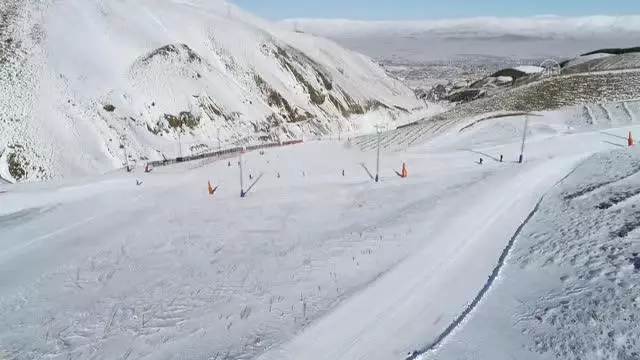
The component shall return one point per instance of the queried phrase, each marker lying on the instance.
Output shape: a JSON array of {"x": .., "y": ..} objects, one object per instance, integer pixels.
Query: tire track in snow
[{"x": 458, "y": 321}]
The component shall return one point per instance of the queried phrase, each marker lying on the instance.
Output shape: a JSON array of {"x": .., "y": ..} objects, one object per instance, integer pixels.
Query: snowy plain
[{"x": 310, "y": 265}]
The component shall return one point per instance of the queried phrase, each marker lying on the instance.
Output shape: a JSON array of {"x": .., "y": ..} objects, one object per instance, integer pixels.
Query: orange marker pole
[{"x": 630, "y": 141}]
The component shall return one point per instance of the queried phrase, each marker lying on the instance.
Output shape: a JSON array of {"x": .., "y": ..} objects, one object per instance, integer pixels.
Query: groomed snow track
[{"x": 457, "y": 322}]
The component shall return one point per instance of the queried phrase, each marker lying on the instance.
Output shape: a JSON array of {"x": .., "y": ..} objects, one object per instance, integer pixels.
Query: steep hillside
[
  {"x": 510, "y": 78},
  {"x": 87, "y": 86},
  {"x": 494, "y": 125},
  {"x": 602, "y": 61},
  {"x": 553, "y": 93}
]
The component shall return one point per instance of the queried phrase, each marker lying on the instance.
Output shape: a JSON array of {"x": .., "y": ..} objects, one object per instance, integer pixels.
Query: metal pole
[
  {"x": 524, "y": 138},
  {"x": 241, "y": 176},
  {"x": 378, "y": 156},
  {"x": 123, "y": 138},
  {"x": 180, "y": 143},
  {"x": 219, "y": 145}
]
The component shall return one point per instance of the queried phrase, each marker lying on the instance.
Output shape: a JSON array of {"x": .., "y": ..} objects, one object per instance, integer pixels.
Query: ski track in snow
[
  {"x": 582, "y": 259},
  {"x": 486, "y": 288}
]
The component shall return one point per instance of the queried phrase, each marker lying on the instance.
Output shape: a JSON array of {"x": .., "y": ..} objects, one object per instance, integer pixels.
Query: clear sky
[{"x": 432, "y": 9}]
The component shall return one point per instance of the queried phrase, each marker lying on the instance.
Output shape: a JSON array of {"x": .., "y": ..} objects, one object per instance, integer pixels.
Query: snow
[
  {"x": 586, "y": 58},
  {"x": 568, "y": 288},
  {"x": 504, "y": 79},
  {"x": 469, "y": 225},
  {"x": 313, "y": 264},
  {"x": 154, "y": 58},
  {"x": 529, "y": 69}
]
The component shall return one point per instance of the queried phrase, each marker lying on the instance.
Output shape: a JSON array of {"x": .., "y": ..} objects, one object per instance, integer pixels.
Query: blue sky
[{"x": 433, "y": 9}]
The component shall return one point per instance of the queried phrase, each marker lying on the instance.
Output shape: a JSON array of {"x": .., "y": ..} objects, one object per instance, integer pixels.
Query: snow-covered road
[{"x": 311, "y": 265}]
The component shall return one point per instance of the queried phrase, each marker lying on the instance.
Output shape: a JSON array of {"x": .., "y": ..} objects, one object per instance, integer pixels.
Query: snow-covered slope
[
  {"x": 84, "y": 82},
  {"x": 568, "y": 288},
  {"x": 602, "y": 62},
  {"x": 313, "y": 264}
]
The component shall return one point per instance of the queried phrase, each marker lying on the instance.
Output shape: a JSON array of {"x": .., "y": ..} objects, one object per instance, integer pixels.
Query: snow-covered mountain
[
  {"x": 528, "y": 37},
  {"x": 84, "y": 82}
]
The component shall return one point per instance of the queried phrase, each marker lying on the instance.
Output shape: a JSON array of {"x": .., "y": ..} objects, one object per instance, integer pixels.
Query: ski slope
[
  {"x": 568, "y": 287},
  {"x": 310, "y": 265}
]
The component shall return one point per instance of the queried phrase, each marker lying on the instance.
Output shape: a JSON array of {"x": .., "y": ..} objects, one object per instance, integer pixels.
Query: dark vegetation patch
[
  {"x": 315, "y": 96},
  {"x": 9, "y": 47},
  {"x": 275, "y": 99},
  {"x": 510, "y": 72},
  {"x": 629, "y": 226},
  {"x": 184, "y": 118},
  {"x": 374, "y": 104},
  {"x": 213, "y": 110},
  {"x": 338, "y": 105},
  {"x": 353, "y": 107},
  {"x": 614, "y": 51},
  {"x": 465, "y": 95},
  {"x": 172, "y": 50},
  {"x": 324, "y": 80},
  {"x": 18, "y": 165},
  {"x": 551, "y": 93},
  {"x": 617, "y": 198}
]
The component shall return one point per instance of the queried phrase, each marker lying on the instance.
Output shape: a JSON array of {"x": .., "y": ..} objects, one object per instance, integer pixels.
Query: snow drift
[{"x": 86, "y": 86}]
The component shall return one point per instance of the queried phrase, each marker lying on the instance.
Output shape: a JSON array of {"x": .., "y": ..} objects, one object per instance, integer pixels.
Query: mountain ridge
[{"x": 88, "y": 86}]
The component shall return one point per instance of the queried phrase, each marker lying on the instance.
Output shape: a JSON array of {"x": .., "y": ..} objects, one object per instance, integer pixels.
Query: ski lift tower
[
  {"x": 379, "y": 129},
  {"x": 123, "y": 143}
]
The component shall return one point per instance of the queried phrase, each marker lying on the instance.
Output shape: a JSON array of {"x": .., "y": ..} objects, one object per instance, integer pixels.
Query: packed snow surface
[
  {"x": 319, "y": 264},
  {"x": 569, "y": 288}
]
